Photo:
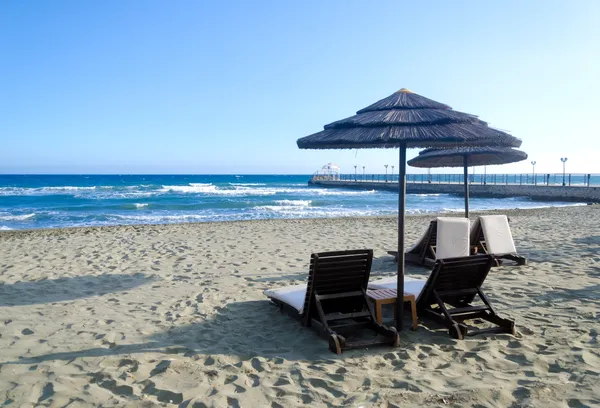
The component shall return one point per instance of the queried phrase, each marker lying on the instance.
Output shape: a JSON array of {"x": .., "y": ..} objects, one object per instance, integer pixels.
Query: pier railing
[{"x": 548, "y": 179}]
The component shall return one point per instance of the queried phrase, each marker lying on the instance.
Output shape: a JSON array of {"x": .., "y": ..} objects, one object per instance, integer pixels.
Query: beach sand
[{"x": 174, "y": 315}]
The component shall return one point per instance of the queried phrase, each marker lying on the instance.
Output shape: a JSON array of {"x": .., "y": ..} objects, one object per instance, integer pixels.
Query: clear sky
[{"x": 123, "y": 86}]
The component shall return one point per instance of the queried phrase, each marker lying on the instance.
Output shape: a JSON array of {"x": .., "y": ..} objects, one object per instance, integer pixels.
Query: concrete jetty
[{"x": 583, "y": 194}]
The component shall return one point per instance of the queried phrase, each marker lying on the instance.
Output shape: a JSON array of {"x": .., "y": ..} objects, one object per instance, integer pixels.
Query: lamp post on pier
[
  {"x": 386, "y": 166},
  {"x": 563, "y": 160},
  {"x": 533, "y": 163},
  {"x": 363, "y": 173},
  {"x": 392, "y": 173},
  {"x": 355, "y": 166}
]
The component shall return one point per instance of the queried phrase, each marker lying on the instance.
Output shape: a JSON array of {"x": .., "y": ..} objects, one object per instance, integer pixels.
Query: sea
[{"x": 57, "y": 201}]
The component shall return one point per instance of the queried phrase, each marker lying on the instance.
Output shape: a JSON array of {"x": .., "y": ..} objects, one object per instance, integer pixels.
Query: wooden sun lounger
[
  {"x": 452, "y": 287},
  {"x": 446, "y": 237},
  {"x": 336, "y": 304},
  {"x": 423, "y": 252},
  {"x": 479, "y": 243}
]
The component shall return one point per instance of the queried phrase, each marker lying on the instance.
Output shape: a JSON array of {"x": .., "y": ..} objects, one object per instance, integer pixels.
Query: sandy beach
[{"x": 174, "y": 315}]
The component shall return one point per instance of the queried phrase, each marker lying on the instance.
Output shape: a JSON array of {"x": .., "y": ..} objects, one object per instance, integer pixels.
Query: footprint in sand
[
  {"x": 281, "y": 381},
  {"x": 162, "y": 395},
  {"x": 257, "y": 365},
  {"x": 107, "y": 382},
  {"x": 233, "y": 402},
  {"x": 160, "y": 368},
  {"x": 255, "y": 380},
  {"x": 132, "y": 364},
  {"x": 230, "y": 379},
  {"x": 319, "y": 383}
]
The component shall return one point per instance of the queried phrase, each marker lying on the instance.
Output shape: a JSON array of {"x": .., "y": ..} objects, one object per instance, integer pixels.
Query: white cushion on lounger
[
  {"x": 291, "y": 295},
  {"x": 498, "y": 237},
  {"x": 411, "y": 285},
  {"x": 452, "y": 237}
]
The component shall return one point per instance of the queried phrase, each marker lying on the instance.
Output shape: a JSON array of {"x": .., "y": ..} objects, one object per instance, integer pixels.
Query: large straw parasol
[
  {"x": 465, "y": 157},
  {"x": 403, "y": 120}
]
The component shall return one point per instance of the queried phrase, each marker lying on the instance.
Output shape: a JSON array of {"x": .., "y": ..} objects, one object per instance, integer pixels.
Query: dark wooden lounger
[
  {"x": 477, "y": 240},
  {"x": 449, "y": 292},
  {"x": 423, "y": 253},
  {"x": 336, "y": 304}
]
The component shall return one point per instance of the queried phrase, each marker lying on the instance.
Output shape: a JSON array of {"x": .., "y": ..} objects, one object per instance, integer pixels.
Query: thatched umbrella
[
  {"x": 466, "y": 157},
  {"x": 402, "y": 120}
]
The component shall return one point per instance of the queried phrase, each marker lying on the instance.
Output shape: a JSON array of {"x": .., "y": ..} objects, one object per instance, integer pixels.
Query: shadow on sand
[
  {"x": 247, "y": 330},
  {"x": 257, "y": 329},
  {"x": 588, "y": 293},
  {"x": 77, "y": 287},
  {"x": 593, "y": 240}
]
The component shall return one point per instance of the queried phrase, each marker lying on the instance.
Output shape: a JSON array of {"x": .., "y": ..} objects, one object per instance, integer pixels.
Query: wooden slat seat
[
  {"x": 336, "y": 303},
  {"x": 456, "y": 282}
]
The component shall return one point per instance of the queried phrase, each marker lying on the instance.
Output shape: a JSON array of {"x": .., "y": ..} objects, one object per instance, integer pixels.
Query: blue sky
[{"x": 227, "y": 87}]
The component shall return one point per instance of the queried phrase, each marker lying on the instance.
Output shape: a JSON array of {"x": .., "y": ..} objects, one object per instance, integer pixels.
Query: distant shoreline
[{"x": 99, "y": 228}]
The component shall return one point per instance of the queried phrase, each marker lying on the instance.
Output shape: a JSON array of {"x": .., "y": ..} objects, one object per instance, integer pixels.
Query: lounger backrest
[
  {"x": 462, "y": 273},
  {"x": 428, "y": 238},
  {"x": 498, "y": 237},
  {"x": 452, "y": 237},
  {"x": 476, "y": 232},
  {"x": 336, "y": 272}
]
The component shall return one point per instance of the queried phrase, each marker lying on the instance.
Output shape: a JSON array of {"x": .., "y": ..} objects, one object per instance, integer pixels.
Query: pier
[{"x": 576, "y": 188}]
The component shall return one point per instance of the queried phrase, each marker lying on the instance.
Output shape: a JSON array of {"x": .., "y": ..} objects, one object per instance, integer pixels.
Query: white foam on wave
[
  {"x": 161, "y": 218},
  {"x": 256, "y": 189},
  {"x": 427, "y": 195},
  {"x": 5, "y": 228},
  {"x": 11, "y": 217},
  {"x": 294, "y": 203},
  {"x": 70, "y": 188},
  {"x": 28, "y": 191},
  {"x": 210, "y": 189},
  {"x": 315, "y": 212},
  {"x": 140, "y": 205},
  {"x": 191, "y": 188},
  {"x": 265, "y": 191},
  {"x": 533, "y": 206},
  {"x": 116, "y": 195},
  {"x": 451, "y": 210},
  {"x": 325, "y": 191}
]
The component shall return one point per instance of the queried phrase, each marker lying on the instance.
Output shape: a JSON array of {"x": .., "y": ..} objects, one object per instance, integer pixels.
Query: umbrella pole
[
  {"x": 465, "y": 164},
  {"x": 401, "y": 210}
]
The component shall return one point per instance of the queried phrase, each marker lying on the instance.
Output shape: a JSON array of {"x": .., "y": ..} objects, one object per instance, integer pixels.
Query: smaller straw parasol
[{"x": 466, "y": 157}]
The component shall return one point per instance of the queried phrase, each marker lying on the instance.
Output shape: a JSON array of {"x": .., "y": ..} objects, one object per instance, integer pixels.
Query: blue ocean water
[{"x": 54, "y": 201}]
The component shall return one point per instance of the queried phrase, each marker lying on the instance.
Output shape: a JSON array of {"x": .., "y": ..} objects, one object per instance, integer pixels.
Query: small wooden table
[{"x": 381, "y": 297}]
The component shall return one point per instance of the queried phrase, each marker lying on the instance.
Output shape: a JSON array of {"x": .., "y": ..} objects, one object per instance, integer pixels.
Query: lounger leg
[
  {"x": 453, "y": 326},
  {"x": 520, "y": 260},
  {"x": 507, "y": 324},
  {"x": 378, "y": 312},
  {"x": 413, "y": 306}
]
